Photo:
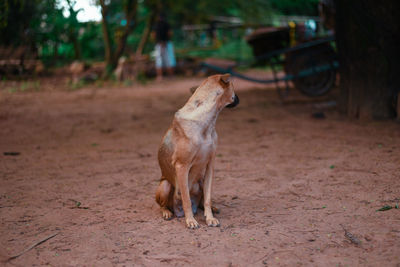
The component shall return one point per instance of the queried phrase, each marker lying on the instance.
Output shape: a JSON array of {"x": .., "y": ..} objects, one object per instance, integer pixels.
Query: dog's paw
[
  {"x": 212, "y": 222},
  {"x": 167, "y": 214},
  {"x": 192, "y": 223}
]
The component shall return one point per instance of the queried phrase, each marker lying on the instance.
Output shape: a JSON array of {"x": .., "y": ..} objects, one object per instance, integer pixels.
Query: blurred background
[
  {"x": 93, "y": 41},
  {"x": 58, "y": 32}
]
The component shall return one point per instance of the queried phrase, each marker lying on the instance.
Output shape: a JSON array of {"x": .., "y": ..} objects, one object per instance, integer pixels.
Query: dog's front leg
[
  {"x": 211, "y": 221},
  {"x": 182, "y": 172}
]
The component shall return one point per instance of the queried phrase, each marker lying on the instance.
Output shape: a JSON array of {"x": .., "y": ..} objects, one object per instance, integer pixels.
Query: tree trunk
[
  {"x": 55, "y": 51},
  {"x": 146, "y": 32},
  {"x": 73, "y": 29},
  {"x": 130, "y": 14},
  {"x": 111, "y": 56},
  {"x": 77, "y": 47},
  {"x": 369, "y": 57},
  {"x": 106, "y": 34}
]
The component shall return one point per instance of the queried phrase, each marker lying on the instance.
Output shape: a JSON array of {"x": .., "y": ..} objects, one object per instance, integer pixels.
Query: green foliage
[
  {"x": 21, "y": 19},
  {"x": 295, "y": 7},
  {"x": 91, "y": 41},
  {"x": 234, "y": 49},
  {"x": 41, "y": 25},
  {"x": 4, "y": 12},
  {"x": 195, "y": 12},
  {"x": 237, "y": 50},
  {"x": 134, "y": 38}
]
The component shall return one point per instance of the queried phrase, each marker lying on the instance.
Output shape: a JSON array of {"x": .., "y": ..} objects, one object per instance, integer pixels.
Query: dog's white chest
[
  {"x": 207, "y": 143},
  {"x": 202, "y": 158},
  {"x": 205, "y": 151}
]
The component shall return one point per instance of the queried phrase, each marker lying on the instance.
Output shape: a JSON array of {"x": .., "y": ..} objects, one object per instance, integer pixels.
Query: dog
[{"x": 187, "y": 152}]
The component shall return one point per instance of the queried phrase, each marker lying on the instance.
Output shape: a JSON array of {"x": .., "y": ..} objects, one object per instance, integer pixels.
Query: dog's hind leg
[
  {"x": 163, "y": 198},
  {"x": 177, "y": 205},
  {"x": 196, "y": 194}
]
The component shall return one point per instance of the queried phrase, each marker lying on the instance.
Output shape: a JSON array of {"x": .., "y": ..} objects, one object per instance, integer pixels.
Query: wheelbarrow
[{"x": 311, "y": 66}]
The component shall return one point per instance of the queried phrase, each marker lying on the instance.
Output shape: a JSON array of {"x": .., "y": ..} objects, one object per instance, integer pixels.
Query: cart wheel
[{"x": 315, "y": 84}]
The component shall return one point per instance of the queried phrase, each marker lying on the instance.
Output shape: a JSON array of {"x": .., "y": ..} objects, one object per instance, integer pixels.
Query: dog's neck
[{"x": 203, "y": 113}]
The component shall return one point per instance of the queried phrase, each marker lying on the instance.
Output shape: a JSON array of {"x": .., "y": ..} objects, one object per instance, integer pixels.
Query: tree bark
[
  {"x": 73, "y": 29},
  {"x": 112, "y": 56},
  {"x": 77, "y": 47},
  {"x": 106, "y": 33},
  {"x": 369, "y": 57},
  {"x": 146, "y": 33},
  {"x": 130, "y": 14},
  {"x": 55, "y": 51}
]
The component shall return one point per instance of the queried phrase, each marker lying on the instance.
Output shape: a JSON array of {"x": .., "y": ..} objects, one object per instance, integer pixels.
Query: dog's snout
[{"x": 234, "y": 103}]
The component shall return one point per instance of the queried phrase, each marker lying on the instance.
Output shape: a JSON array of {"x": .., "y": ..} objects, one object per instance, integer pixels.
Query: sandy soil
[{"x": 287, "y": 184}]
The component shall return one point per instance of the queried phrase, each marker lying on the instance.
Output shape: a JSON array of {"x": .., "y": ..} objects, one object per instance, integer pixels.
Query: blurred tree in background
[
  {"x": 57, "y": 38},
  {"x": 293, "y": 7},
  {"x": 20, "y": 19},
  {"x": 368, "y": 50},
  {"x": 41, "y": 25},
  {"x": 118, "y": 21},
  {"x": 72, "y": 28},
  {"x": 368, "y": 46},
  {"x": 125, "y": 27}
]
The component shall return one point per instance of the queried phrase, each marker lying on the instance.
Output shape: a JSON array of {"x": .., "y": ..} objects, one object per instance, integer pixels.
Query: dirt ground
[{"x": 287, "y": 184}]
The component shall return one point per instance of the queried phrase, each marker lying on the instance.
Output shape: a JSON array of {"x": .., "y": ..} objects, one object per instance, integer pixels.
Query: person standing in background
[{"x": 164, "y": 50}]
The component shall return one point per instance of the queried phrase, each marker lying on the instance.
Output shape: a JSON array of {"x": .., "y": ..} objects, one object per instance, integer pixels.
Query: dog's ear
[{"x": 226, "y": 78}]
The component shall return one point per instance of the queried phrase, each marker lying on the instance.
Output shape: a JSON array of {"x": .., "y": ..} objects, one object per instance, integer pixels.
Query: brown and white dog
[{"x": 187, "y": 152}]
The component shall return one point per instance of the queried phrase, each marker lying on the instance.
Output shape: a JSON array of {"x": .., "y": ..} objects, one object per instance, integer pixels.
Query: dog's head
[
  {"x": 221, "y": 88},
  {"x": 229, "y": 95}
]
